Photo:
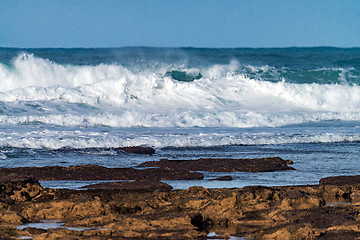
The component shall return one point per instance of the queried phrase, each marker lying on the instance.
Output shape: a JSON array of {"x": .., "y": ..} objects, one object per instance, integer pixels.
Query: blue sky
[{"x": 180, "y": 23}]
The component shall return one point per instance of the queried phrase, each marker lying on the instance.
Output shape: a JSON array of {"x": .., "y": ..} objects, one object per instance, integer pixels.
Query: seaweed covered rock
[
  {"x": 340, "y": 180},
  {"x": 139, "y": 185},
  {"x": 223, "y": 164},
  {"x": 96, "y": 172}
]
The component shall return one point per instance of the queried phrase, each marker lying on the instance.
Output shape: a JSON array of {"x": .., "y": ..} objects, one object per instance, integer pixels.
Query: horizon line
[{"x": 184, "y": 47}]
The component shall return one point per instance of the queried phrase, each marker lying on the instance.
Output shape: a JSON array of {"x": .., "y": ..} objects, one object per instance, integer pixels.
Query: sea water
[{"x": 64, "y": 106}]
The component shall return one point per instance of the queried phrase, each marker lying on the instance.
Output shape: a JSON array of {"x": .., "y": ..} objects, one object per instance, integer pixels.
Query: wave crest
[{"x": 216, "y": 95}]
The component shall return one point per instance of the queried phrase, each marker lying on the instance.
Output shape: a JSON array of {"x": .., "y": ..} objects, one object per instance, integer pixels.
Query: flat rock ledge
[
  {"x": 138, "y": 150},
  {"x": 223, "y": 178},
  {"x": 254, "y": 212},
  {"x": 223, "y": 164},
  {"x": 138, "y": 185},
  {"x": 340, "y": 180},
  {"x": 96, "y": 172}
]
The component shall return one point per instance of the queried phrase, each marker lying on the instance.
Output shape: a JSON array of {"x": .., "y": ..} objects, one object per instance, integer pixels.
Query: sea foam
[{"x": 36, "y": 90}]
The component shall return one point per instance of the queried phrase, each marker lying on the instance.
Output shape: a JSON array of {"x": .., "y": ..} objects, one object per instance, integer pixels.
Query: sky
[{"x": 179, "y": 23}]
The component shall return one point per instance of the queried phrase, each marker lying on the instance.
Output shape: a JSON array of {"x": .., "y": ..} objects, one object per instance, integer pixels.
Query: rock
[
  {"x": 11, "y": 217},
  {"x": 223, "y": 178},
  {"x": 7, "y": 232},
  {"x": 223, "y": 164},
  {"x": 138, "y": 150},
  {"x": 95, "y": 172},
  {"x": 281, "y": 234},
  {"x": 340, "y": 180},
  {"x": 19, "y": 189},
  {"x": 289, "y": 162},
  {"x": 139, "y": 185},
  {"x": 253, "y": 212}
]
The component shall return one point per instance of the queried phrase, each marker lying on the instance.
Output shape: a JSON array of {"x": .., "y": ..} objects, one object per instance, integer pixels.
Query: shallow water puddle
[
  {"x": 71, "y": 184},
  {"x": 44, "y": 224},
  {"x": 336, "y": 201},
  {"x": 214, "y": 236},
  {"x": 230, "y": 232},
  {"x": 51, "y": 224},
  {"x": 25, "y": 237}
]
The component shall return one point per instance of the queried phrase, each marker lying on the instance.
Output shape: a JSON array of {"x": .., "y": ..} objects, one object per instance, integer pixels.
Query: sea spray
[{"x": 219, "y": 95}]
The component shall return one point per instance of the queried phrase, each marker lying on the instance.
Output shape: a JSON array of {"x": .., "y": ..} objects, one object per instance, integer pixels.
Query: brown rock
[
  {"x": 139, "y": 185},
  {"x": 138, "y": 150},
  {"x": 254, "y": 212},
  {"x": 19, "y": 189},
  {"x": 11, "y": 217},
  {"x": 192, "y": 212},
  {"x": 223, "y": 178},
  {"x": 7, "y": 232},
  {"x": 222, "y": 164},
  {"x": 340, "y": 180},
  {"x": 95, "y": 172},
  {"x": 281, "y": 234}
]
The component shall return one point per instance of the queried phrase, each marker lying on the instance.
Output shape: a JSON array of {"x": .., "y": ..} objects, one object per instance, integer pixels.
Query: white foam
[
  {"x": 129, "y": 119},
  {"x": 3, "y": 156},
  {"x": 56, "y": 138},
  {"x": 38, "y": 90}
]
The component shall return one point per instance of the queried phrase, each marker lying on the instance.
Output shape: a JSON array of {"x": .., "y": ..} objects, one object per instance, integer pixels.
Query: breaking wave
[{"x": 37, "y": 90}]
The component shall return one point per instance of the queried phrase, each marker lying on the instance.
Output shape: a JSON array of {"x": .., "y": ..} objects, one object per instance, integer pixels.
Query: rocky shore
[
  {"x": 146, "y": 208},
  {"x": 223, "y": 164}
]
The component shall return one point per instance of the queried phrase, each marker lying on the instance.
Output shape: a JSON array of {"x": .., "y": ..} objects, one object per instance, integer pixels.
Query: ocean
[{"x": 64, "y": 106}]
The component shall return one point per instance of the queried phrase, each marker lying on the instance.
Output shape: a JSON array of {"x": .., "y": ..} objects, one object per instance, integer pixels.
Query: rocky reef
[
  {"x": 96, "y": 172},
  {"x": 295, "y": 212},
  {"x": 224, "y": 164},
  {"x": 149, "y": 209}
]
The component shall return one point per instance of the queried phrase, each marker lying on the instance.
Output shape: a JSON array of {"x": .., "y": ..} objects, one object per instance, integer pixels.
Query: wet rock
[
  {"x": 201, "y": 223},
  {"x": 139, "y": 185},
  {"x": 7, "y": 232},
  {"x": 223, "y": 164},
  {"x": 19, "y": 189},
  {"x": 138, "y": 150},
  {"x": 340, "y": 180},
  {"x": 95, "y": 172},
  {"x": 254, "y": 212},
  {"x": 223, "y": 178}
]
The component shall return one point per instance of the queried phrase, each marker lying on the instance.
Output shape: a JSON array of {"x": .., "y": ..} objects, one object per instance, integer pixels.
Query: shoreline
[
  {"x": 146, "y": 208},
  {"x": 253, "y": 212}
]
